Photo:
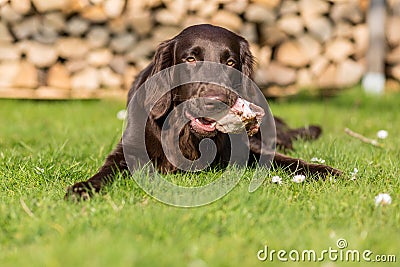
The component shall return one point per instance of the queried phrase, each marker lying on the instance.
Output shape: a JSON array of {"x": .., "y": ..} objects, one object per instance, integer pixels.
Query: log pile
[
  {"x": 94, "y": 48},
  {"x": 393, "y": 42}
]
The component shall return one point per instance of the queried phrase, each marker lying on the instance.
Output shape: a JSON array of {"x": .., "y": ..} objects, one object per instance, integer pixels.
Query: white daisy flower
[
  {"x": 121, "y": 115},
  {"x": 39, "y": 170},
  {"x": 354, "y": 174},
  {"x": 383, "y": 199},
  {"x": 318, "y": 160},
  {"x": 382, "y": 134},
  {"x": 276, "y": 179},
  {"x": 298, "y": 178}
]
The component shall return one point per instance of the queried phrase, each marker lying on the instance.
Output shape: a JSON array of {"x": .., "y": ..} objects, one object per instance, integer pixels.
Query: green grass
[{"x": 47, "y": 146}]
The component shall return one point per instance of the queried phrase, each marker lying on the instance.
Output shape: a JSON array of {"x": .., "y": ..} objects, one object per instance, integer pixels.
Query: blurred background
[{"x": 93, "y": 48}]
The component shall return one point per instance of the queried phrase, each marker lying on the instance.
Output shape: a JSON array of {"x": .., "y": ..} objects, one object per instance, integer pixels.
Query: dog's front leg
[
  {"x": 294, "y": 165},
  {"x": 300, "y": 166},
  {"x": 114, "y": 163}
]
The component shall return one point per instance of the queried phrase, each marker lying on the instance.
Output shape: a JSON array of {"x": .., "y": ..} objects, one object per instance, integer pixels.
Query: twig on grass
[
  {"x": 26, "y": 208},
  {"x": 113, "y": 205},
  {"x": 363, "y": 138}
]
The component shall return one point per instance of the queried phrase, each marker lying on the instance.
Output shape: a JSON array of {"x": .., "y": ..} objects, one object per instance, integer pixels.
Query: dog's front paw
[
  {"x": 320, "y": 169},
  {"x": 79, "y": 191}
]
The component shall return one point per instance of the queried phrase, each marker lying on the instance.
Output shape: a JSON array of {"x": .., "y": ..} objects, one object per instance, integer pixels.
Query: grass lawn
[{"x": 47, "y": 146}]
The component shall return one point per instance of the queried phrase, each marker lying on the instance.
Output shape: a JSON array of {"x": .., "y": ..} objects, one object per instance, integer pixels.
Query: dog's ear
[
  {"x": 246, "y": 58},
  {"x": 247, "y": 64},
  {"x": 163, "y": 58}
]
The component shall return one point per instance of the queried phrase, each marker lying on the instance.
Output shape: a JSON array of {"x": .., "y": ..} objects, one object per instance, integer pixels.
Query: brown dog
[{"x": 201, "y": 43}]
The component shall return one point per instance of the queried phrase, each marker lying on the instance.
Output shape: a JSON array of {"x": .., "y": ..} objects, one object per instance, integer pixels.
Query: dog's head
[{"x": 205, "y": 43}]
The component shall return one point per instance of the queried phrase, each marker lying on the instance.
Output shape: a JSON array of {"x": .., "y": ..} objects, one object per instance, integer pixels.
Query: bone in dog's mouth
[{"x": 243, "y": 115}]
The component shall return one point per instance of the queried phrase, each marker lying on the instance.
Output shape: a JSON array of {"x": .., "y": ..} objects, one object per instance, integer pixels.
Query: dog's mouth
[
  {"x": 202, "y": 125},
  {"x": 243, "y": 115}
]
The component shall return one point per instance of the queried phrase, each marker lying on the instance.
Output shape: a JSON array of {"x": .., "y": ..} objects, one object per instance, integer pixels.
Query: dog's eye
[
  {"x": 190, "y": 59},
  {"x": 230, "y": 63}
]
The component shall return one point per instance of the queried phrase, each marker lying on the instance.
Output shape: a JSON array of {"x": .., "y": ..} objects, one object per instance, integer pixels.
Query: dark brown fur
[{"x": 204, "y": 43}]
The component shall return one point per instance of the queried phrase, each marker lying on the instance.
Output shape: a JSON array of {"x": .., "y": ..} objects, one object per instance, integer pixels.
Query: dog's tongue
[{"x": 242, "y": 115}]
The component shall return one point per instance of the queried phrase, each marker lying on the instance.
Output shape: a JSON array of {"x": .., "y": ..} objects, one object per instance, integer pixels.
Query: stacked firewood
[
  {"x": 393, "y": 44},
  {"x": 86, "y": 48}
]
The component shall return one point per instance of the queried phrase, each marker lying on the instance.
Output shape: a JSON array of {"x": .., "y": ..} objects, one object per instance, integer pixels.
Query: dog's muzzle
[{"x": 243, "y": 115}]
